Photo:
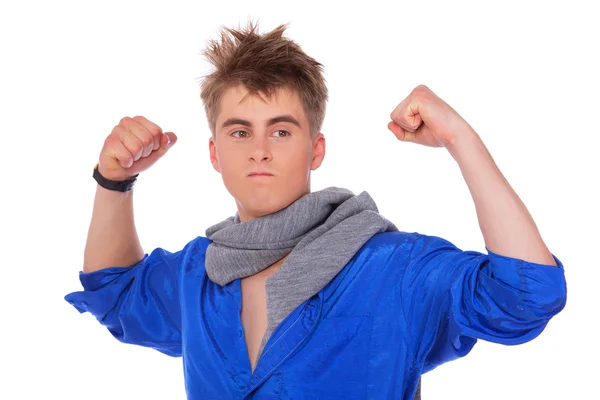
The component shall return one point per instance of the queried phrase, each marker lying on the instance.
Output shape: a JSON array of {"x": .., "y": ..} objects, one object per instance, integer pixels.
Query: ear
[
  {"x": 318, "y": 151},
  {"x": 212, "y": 148}
]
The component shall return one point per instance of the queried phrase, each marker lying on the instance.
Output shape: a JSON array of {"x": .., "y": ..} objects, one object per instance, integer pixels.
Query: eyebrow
[{"x": 272, "y": 121}]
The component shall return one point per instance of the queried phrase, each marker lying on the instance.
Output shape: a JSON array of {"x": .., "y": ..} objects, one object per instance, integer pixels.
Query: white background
[{"x": 524, "y": 74}]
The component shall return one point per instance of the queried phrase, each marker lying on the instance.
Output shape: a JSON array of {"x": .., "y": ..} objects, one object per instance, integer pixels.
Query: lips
[{"x": 260, "y": 173}]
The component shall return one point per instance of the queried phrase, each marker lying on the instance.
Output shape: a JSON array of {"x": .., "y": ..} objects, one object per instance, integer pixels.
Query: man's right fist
[{"x": 132, "y": 147}]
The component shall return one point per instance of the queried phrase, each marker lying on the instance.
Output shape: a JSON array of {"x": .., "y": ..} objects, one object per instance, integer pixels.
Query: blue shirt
[{"x": 404, "y": 304}]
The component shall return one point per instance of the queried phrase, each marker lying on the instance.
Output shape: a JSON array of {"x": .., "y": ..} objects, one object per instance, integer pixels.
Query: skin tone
[
  {"x": 254, "y": 133},
  {"x": 507, "y": 227}
]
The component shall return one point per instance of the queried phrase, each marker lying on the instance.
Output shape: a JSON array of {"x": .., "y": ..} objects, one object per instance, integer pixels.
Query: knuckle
[
  {"x": 135, "y": 148},
  {"x": 128, "y": 156},
  {"x": 117, "y": 129},
  {"x": 147, "y": 141},
  {"x": 396, "y": 115},
  {"x": 111, "y": 139},
  {"x": 124, "y": 120},
  {"x": 421, "y": 89}
]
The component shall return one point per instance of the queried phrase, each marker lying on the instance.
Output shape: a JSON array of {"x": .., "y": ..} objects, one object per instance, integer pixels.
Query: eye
[
  {"x": 286, "y": 133},
  {"x": 240, "y": 132}
]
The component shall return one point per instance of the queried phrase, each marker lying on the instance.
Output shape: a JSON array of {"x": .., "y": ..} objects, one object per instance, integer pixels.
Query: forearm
[
  {"x": 507, "y": 227},
  {"x": 112, "y": 239}
]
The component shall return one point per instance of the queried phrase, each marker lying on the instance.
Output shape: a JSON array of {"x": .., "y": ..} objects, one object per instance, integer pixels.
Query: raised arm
[
  {"x": 112, "y": 238},
  {"x": 507, "y": 227},
  {"x": 132, "y": 147},
  {"x": 454, "y": 297},
  {"x": 133, "y": 294}
]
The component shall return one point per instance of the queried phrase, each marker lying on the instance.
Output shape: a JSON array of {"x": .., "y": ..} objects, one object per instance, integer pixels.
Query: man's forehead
[{"x": 285, "y": 99}]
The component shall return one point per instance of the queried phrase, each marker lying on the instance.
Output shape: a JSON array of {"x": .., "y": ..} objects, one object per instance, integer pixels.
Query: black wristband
[{"x": 120, "y": 186}]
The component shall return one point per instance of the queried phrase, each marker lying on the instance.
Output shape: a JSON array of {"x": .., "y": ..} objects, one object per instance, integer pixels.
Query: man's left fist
[{"x": 424, "y": 118}]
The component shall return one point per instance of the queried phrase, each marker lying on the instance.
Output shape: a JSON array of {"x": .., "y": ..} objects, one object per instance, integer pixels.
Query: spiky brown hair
[{"x": 263, "y": 63}]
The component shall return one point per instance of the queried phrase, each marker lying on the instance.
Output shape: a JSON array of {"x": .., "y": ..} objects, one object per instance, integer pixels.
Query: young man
[{"x": 304, "y": 294}]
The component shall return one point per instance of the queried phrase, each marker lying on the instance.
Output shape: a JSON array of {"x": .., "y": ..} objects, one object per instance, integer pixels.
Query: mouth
[{"x": 257, "y": 174}]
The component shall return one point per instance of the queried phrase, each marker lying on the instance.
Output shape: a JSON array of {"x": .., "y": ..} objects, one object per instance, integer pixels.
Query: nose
[{"x": 260, "y": 150}]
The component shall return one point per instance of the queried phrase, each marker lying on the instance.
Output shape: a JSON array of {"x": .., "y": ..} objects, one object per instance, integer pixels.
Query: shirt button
[
  {"x": 84, "y": 304},
  {"x": 520, "y": 307}
]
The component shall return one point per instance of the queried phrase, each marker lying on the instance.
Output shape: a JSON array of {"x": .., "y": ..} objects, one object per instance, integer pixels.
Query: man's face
[{"x": 250, "y": 138}]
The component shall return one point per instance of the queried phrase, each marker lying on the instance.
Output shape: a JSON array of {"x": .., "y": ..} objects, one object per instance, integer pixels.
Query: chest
[
  {"x": 254, "y": 309},
  {"x": 254, "y": 314}
]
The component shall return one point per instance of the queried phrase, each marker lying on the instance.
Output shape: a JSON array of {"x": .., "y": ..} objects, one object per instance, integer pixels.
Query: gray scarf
[{"x": 321, "y": 231}]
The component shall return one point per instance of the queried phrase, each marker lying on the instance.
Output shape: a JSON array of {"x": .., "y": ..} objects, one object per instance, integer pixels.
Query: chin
[
  {"x": 261, "y": 208},
  {"x": 261, "y": 204}
]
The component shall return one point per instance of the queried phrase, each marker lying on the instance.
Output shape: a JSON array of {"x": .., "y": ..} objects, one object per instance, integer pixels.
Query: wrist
[
  {"x": 119, "y": 184},
  {"x": 112, "y": 176}
]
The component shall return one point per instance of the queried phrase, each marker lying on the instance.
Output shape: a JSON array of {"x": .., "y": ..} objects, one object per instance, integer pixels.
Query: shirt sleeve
[
  {"x": 452, "y": 297},
  {"x": 137, "y": 304}
]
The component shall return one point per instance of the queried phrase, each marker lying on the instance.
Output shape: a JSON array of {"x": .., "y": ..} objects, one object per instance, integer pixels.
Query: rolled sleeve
[
  {"x": 456, "y": 297},
  {"x": 137, "y": 304},
  {"x": 541, "y": 288}
]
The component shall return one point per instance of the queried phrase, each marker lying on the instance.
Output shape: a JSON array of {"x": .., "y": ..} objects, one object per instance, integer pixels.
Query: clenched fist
[
  {"x": 424, "y": 118},
  {"x": 132, "y": 147}
]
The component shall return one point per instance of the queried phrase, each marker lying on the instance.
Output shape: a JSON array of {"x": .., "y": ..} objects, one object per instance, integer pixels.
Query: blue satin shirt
[{"x": 403, "y": 305}]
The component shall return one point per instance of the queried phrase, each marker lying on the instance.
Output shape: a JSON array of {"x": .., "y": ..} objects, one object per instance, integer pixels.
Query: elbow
[
  {"x": 540, "y": 288},
  {"x": 552, "y": 298}
]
